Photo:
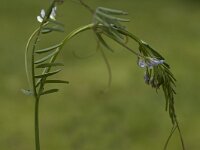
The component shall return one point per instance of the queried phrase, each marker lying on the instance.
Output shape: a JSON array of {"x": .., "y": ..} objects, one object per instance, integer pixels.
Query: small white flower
[
  {"x": 42, "y": 14},
  {"x": 53, "y": 13}
]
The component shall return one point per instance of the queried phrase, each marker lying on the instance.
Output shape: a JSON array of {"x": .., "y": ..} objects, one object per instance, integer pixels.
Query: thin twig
[
  {"x": 87, "y": 6},
  {"x": 108, "y": 67},
  {"x": 171, "y": 133},
  {"x": 180, "y": 134}
]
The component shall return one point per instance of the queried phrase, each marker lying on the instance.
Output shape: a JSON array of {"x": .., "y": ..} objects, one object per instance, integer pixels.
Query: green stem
[
  {"x": 26, "y": 57},
  {"x": 86, "y": 6},
  {"x": 124, "y": 45},
  {"x": 37, "y": 139},
  {"x": 108, "y": 67},
  {"x": 168, "y": 139},
  {"x": 37, "y": 136},
  {"x": 68, "y": 37},
  {"x": 37, "y": 33},
  {"x": 180, "y": 134},
  {"x": 77, "y": 31}
]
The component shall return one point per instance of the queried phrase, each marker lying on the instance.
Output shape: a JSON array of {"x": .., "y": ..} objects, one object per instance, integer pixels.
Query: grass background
[{"x": 131, "y": 115}]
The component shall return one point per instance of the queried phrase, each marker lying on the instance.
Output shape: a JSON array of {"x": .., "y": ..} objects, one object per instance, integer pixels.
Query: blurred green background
[{"x": 130, "y": 116}]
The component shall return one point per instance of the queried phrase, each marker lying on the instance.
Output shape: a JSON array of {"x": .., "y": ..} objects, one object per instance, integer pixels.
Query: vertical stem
[
  {"x": 37, "y": 139},
  {"x": 37, "y": 136}
]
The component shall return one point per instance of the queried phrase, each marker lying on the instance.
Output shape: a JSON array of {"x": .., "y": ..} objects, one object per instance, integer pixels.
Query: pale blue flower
[
  {"x": 142, "y": 63},
  {"x": 149, "y": 62},
  {"x": 154, "y": 62},
  {"x": 146, "y": 78}
]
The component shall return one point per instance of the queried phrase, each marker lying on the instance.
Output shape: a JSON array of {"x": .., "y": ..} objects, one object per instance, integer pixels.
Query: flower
[
  {"x": 154, "y": 62},
  {"x": 149, "y": 62},
  {"x": 142, "y": 63},
  {"x": 146, "y": 78},
  {"x": 42, "y": 14},
  {"x": 53, "y": 13}
]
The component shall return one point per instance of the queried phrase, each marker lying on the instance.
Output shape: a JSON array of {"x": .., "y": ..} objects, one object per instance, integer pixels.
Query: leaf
[
  {"x": 155, "y": 53},
  {"x": 121, "y": 36},
  {"x": 46, "y": 57},
  {"x": 112, "y": 11},
  {"x": 56, "y": 81},
  {"x": 132, "y": 36},
  {"x": 56, "y": 22},
  {"x": 117, "y": 35},
  {"x": 47, "y": 49},
  {"x": 27, "y": 92},
  {"x": 103, "y": 42},
  {"x": 104, "y": 15},
  {"x": 47, "y": 74},
  {"x": 101, "y": 21},
  {"x": 55, "y": 28},
  {"x": 143, "y": 50},
  {"x": 49, "y": 65},
  {"x": 110, "y": 35},
  {"x": 45, "y": 31},
  {"x": 49, "y": 91}
]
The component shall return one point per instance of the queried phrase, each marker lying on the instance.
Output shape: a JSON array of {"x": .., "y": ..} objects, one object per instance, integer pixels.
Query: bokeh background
[{"x": 131, "y": 115}]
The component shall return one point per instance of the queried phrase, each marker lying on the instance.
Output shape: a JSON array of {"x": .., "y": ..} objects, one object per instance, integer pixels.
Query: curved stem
[
  {"x": 77, "y": 31},
  {"x": 36, "y": 32},
  {"x": 68, "y": 37},
  {"x": 26, "y": 53},
  {"x": 124, "y": 45}
]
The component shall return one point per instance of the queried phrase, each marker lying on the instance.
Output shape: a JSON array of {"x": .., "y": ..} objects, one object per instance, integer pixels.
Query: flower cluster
[
  {"x": 152, "y": 75},
  {"x": 42, "y": 15},
  {"x": 158, "y": 74}
]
